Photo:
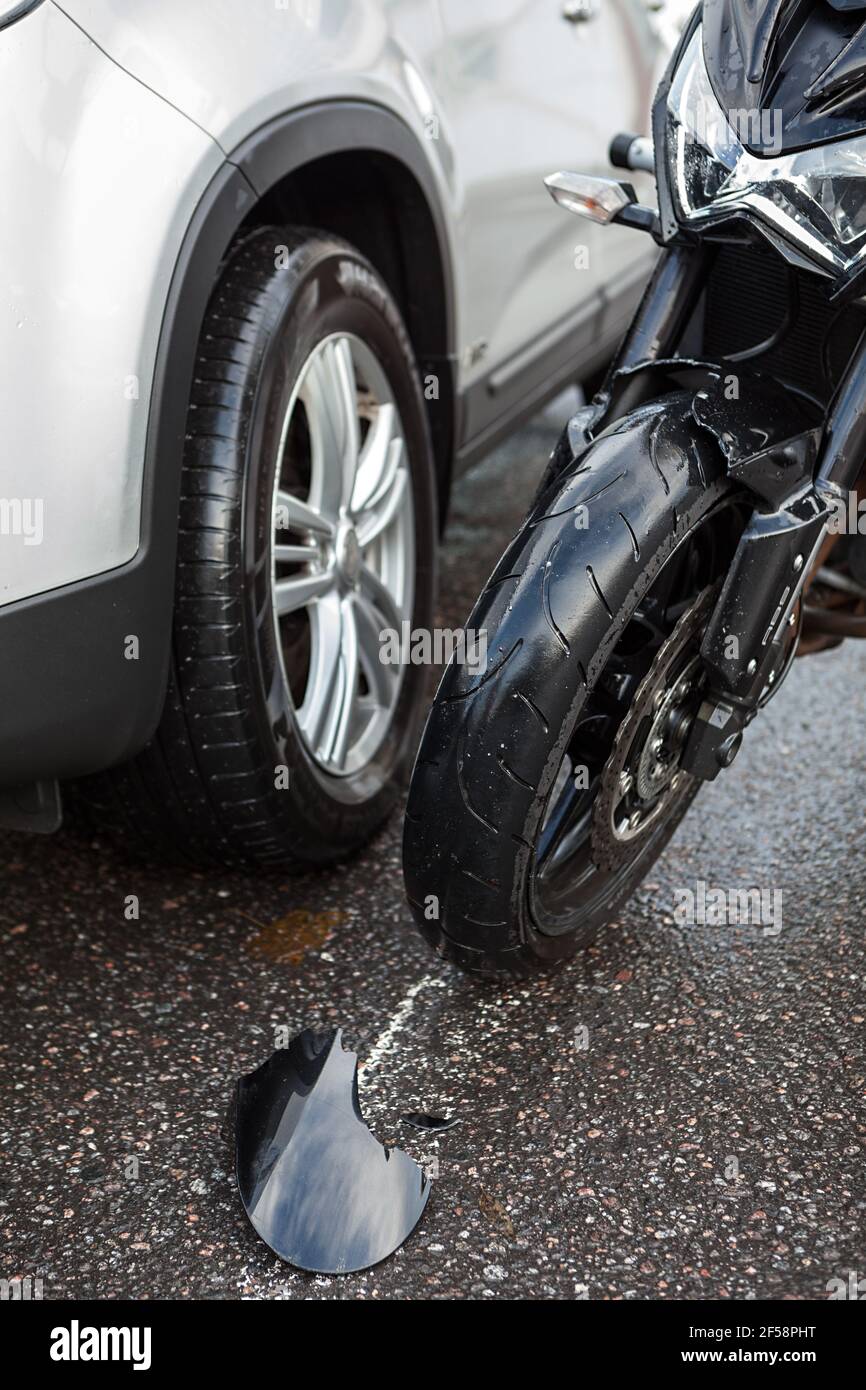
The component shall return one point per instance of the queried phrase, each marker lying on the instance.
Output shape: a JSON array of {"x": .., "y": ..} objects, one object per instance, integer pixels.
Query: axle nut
[{"x": 727, "y": 751}]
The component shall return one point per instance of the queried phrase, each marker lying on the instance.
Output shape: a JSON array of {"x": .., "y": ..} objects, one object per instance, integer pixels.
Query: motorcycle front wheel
[{"x": 548, "y": 782}]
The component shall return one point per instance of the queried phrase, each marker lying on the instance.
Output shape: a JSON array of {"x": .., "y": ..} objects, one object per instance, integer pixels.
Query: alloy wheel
[{"x": 342, "y": 553}]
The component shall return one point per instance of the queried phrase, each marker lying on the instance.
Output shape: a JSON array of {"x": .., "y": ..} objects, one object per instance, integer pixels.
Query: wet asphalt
[{"x": 677, "y": 1115}]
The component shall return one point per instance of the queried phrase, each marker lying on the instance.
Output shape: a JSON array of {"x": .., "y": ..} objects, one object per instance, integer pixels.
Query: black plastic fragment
[{"x": 317, "y": 1186}]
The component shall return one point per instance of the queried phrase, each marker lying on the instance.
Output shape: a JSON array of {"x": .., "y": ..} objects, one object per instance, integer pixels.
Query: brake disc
[{"x": 642, "y": 782}]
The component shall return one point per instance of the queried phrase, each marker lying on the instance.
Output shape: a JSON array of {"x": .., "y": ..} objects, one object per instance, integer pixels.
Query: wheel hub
[
  {"x": 348, "y": 555},
  {"x": 642, "y": 780},
  {"x": 659, "y": 758}
]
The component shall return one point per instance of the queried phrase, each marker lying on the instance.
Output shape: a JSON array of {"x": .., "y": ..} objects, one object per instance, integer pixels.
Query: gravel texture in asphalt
[{"x": 678, "y": 1114}]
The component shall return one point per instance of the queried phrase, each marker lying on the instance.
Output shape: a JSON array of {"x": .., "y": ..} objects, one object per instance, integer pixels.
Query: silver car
[{"x": 273, "y": 273}]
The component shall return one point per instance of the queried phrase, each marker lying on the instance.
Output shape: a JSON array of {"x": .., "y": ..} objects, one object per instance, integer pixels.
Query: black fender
[
  {"x": 769, "y": 437},
  {"x": 316, "y": 1185}
]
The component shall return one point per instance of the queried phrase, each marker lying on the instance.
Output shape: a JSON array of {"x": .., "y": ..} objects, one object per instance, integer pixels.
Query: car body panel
[
  {"x": 497, "y": 92},
  {"x": 233, "y": 71},
  {"x": 525, "y": 93},
  {"x": 233, "y": 65},
  {"x": 85, "y": 295},
  {"x": 141, "y": 137}
]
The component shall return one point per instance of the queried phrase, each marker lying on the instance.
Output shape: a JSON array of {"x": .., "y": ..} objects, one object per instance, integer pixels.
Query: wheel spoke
[
  {"x": 379, "y": 458},
  {"x": 341, "y": 725},
  {"x": 651, "y": 616},
  {"x": 374, "y": 590},
  {"x": 294, "y": 515},
  {"x": 288, "y": 554},
  {"x": 381, "y": 677},
  {"x": 561, "y": 818},
  {"x": 382, "y": 510},
  {"x": 301, "y": 589},
  {"x": 326, "y": 621},
  {"x": 331, "y": 399}
]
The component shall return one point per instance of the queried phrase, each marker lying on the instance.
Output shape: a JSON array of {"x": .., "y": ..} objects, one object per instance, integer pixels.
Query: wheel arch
[
  {"x": 274, "y": 172},
  {"x": 308, "y": 165},
  {"x": 91, "y": 714}
]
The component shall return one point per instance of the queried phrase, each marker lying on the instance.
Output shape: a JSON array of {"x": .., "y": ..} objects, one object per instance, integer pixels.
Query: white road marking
[{"x": 403, "y": 1013}]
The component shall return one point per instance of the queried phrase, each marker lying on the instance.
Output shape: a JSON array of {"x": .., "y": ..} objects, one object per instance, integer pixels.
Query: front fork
[
  {"x": 796, "y": 480},
  {"x": 798, "y": 484}
]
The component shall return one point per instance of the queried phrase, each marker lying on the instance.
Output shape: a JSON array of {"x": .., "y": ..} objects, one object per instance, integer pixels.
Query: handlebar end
[{"x": 619, "y": 149}]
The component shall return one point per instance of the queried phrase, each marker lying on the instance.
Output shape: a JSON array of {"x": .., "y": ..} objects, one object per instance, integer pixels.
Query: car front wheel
[{"x": 306, "y": 532}]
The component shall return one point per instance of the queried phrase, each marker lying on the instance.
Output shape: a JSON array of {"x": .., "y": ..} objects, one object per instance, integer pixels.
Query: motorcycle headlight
[{"x": 814, "y": 199}]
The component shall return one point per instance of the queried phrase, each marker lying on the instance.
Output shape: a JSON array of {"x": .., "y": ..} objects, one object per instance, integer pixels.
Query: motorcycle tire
[{"x": 647, "y": 510}]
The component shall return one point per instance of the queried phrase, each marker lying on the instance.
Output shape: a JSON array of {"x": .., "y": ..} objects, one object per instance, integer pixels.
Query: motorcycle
[{"x": 700, "y": 523}]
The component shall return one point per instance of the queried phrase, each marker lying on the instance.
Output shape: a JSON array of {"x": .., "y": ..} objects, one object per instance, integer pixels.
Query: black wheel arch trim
[
  {"x": 73, "y": 702},
  {"x": 312, "y": 132}
]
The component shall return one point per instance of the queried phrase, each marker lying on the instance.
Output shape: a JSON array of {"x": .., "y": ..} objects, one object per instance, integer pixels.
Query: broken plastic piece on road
[{"x": 319, "y": 1189}]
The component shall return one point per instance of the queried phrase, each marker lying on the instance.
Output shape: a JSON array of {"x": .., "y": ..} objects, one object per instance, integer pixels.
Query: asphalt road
[{"x": 676, "y": 1115}]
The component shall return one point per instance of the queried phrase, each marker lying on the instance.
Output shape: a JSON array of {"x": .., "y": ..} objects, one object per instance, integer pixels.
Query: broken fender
[{"x": 319, "y": 1189}]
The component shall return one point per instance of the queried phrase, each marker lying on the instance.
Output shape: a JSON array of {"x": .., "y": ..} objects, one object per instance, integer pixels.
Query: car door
[{"x": 530, "y": 86}]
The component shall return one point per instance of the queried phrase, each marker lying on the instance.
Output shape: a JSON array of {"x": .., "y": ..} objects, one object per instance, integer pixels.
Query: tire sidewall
[{"x": 552, "y": 948}]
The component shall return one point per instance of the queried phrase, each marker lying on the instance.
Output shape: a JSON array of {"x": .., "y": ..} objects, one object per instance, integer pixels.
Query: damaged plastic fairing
[{"x": 315, "y": 1183}]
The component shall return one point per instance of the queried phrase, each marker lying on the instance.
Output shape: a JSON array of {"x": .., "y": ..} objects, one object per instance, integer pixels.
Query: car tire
[{"x": 282, "y": 742}]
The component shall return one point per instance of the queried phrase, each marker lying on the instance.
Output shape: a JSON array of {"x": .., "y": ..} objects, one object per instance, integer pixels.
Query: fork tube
[
  {"x": 669, "y": 299},
  {"x": 843, "y": 453}
]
